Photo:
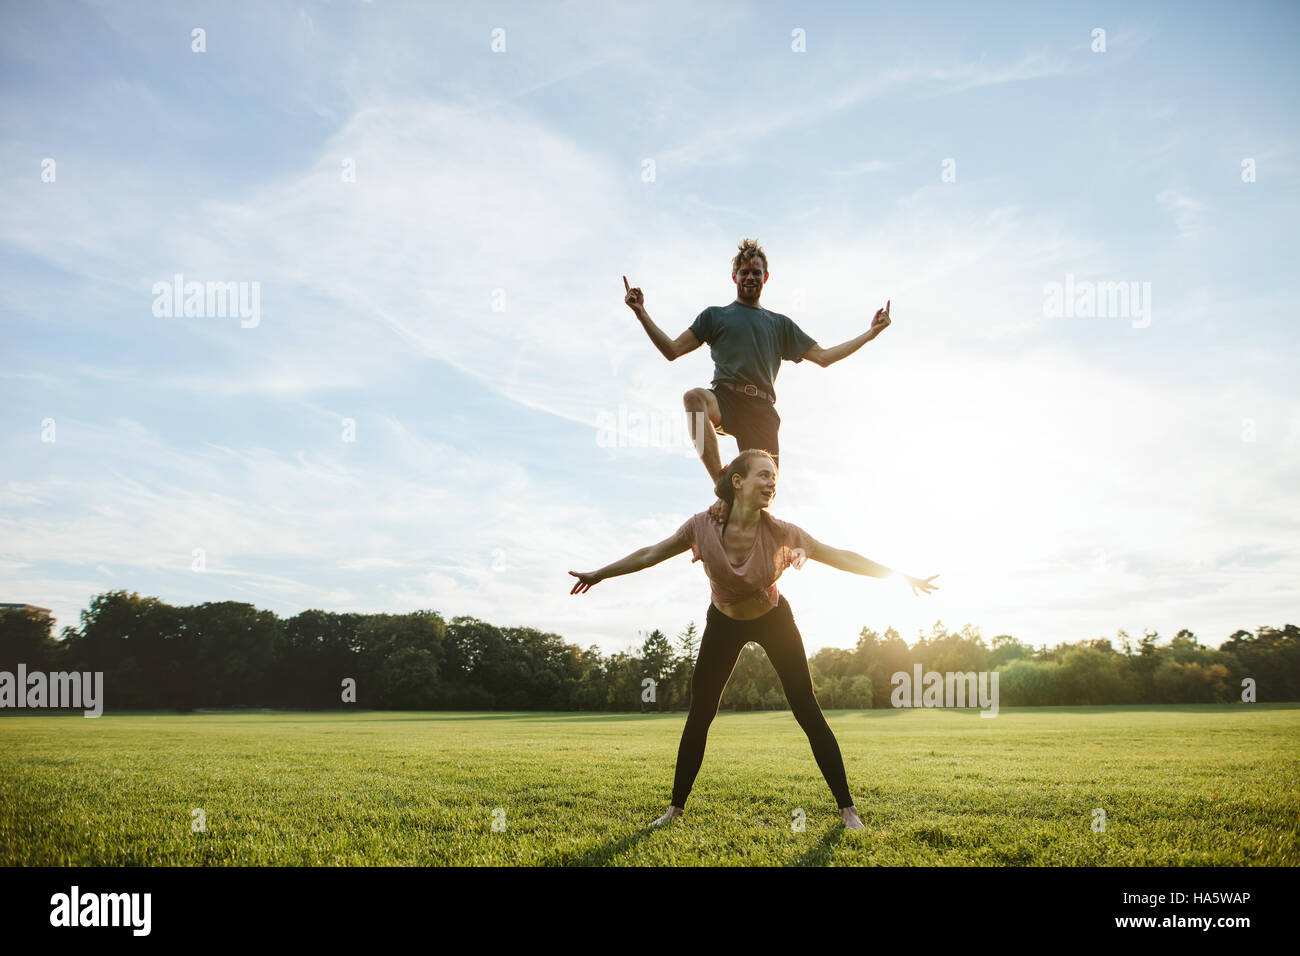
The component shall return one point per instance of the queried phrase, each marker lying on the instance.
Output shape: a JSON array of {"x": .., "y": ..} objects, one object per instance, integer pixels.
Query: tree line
[{"x": 228, "y": 654}]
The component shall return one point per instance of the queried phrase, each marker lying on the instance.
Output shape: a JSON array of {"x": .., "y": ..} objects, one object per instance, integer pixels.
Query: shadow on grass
[
  {"x": 821, "y": 853},
  {"x": 606, "y": 853},
  {"x": 601, "y": 855}
]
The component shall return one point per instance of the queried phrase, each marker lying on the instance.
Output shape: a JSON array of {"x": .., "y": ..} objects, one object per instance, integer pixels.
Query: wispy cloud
[
  {"x": 725, "y": 141},
  {"x": 870, "y": 166},
  {"x": 1186, "y": 211}
]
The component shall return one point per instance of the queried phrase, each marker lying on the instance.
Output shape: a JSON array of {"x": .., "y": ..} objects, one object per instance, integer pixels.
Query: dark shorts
[{"x": 751, "y": 420}]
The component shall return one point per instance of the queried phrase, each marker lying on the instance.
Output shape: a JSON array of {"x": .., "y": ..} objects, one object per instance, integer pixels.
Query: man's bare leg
[{"x": 702, "y": 413}]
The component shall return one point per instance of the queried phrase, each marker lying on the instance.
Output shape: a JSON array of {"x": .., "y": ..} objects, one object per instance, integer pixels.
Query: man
[{"x": 747, "y": 344}]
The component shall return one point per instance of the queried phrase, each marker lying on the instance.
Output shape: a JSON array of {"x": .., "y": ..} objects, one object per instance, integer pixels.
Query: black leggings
[{"x": 720, "y": 648}]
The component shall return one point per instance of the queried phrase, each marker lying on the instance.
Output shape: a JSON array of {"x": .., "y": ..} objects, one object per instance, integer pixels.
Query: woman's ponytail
[{"x": 723, "y": 488}]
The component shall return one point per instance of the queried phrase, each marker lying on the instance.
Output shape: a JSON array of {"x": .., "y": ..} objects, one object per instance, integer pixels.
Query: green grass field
[{"x": 1181, "y": 785}]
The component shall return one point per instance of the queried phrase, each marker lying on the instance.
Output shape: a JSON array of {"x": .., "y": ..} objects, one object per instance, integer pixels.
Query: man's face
[{"x": 749, "y": 280}]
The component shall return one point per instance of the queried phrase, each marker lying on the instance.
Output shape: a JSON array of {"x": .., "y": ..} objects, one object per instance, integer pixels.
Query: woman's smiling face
[{"x": 757, "y": 488}]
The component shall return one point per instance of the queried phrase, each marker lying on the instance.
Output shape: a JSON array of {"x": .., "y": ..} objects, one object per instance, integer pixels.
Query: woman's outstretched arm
[
  {"x": 857, "y": 564},
  {"x": 636, "y": 561}
]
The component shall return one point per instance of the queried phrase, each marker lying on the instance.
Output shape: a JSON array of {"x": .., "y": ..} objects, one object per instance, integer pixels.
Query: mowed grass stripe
[{"x": 1180, "y": 785}]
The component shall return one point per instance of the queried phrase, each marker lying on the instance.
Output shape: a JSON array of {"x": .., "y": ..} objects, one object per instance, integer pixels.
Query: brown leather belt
[{"x": 747, "y": 390}]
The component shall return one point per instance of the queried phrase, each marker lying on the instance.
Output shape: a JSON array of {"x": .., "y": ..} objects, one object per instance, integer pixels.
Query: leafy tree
[
  {"x": 26, "y": 638},
  {"x": 656, "y": 655},
  {"x": 1191, "y": 683},
  {"x": 1007, "y": 648},
  {"x": 228, "y": 653}
]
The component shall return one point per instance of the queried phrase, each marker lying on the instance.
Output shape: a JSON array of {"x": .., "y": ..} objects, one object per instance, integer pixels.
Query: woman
[{"x": 743, "y": 556}]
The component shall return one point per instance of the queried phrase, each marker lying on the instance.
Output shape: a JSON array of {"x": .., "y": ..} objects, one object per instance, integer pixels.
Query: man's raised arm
[
  {"x": 671, "y": 348},
  {"x": 825, "y": 357}
]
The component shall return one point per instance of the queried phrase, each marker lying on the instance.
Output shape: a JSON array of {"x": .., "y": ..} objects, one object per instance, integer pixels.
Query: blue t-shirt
[{"x": 748, "y": 344}]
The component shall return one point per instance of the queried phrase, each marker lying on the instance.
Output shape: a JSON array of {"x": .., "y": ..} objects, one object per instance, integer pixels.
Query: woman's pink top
[{"x": 777, "y": 545}]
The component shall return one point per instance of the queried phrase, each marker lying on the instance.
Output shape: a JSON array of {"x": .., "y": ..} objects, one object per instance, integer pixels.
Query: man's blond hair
[{"x": 749, "y": 249}]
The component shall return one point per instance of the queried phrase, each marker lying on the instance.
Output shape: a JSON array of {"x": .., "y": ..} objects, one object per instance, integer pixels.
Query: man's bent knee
[{"x": 702, "y": 400}]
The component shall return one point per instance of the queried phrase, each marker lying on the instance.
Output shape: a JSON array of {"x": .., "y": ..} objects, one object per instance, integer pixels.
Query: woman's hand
[
  {"x": 925, "y": 586},
  {"x": 585, "y": 581},
  {"x": 880, "y": 322}
]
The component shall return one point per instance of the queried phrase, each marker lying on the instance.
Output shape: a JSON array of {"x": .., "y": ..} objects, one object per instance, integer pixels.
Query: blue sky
[{"x": 460, "y": 303}]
